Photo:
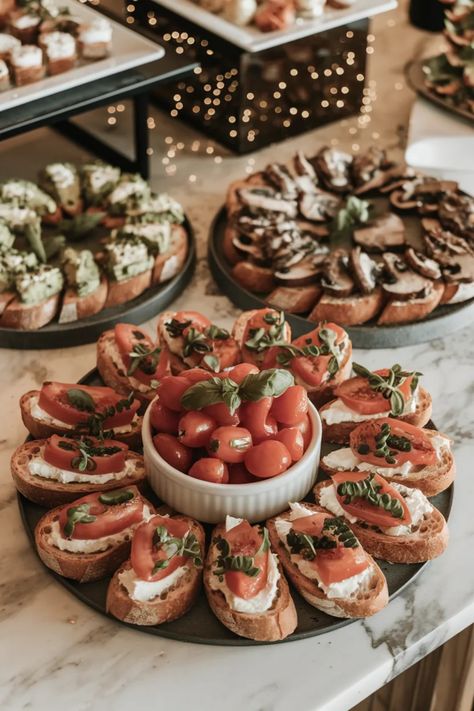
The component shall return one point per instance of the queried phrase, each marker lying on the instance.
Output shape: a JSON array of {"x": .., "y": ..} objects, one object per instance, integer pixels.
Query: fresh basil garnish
[
  {"x": 212, "y": 362},
  {"x": 113, "y": 498},
  {"x": 267, "y": 383},
  {"x": 172, "y": 546},
  {"x": 389, "y": 385},
  {"x": 143, "y": 357},
  {"x": 227, "y": 562},
  {"x": 80, "y": 399},
  {"x": 75, "y": 515}
]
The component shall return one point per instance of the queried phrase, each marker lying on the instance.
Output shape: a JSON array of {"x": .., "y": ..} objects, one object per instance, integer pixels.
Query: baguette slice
[
  {"x": 348, "y": 310},
  {"x": 364, "y": 604},
  {"x": 275, "y": 624},
  {"x": 169, "y": 264},
  {"x": 115, "y": 376},
  {"x": 412, "y": 310},
  {"x": 75, "y": 307},
  {"x": 128, "y": 289},
  {"x": 428, "y": 541},
  {"x": 253, "y": 277},
  {"x": 430, "y": 480},
  {"x": 29, "y": 318},
  {"x": 339, "y": 433},
  {"x": 5, "y": 298},
  {"x": 42, "y": 430},
  {"x": 294, "y": 299},
  {"x": 170, "y": 605},
  {"x": 83, "y": 567},
  {"x": 48, "y": 492}
]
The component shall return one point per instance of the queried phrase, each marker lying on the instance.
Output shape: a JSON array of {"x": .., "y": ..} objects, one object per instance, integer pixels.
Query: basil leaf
[
  {"x": 77, "y": 514},
  {"x": 212, "y": 362},
  {"x": 207, "y": 392},
  {"x": 119, "y": 496},
  {"x": 267, "y": 383},
  {"x": 80, "y": 399}
]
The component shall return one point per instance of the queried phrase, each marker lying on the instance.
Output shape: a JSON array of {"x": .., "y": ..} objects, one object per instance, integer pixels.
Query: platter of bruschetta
[
  {"x": 234, "y": 487},
  {"x": 359, "y": 240},
  {"x": 84, "y": 247}
]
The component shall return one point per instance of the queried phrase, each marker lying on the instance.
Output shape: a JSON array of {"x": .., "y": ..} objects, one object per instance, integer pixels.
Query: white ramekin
[{"x": 211, "y": 503}]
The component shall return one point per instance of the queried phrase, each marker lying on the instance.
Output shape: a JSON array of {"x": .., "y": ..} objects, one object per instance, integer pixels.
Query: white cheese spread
[
  {"x": 8, "y": 43},
  {"x": 59, "y": 45},
  {"x": 27, "y": 56},
  {"x": 144, "y": 590},
  {"x": 338, "y": 412},
  {"x": 97, "y": 32},
  {"x": 61, "y": 174},
  {"x": 40, "y": 467}
]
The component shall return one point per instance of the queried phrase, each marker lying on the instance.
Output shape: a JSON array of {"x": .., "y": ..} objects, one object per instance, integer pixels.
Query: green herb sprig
[
  {"x": 328, "y": 347},
  {"x": 75, "y": 515},
  {"x": 389, "y": 385},
  {"x": 368, "y": 490},
  {"x": 354, "y": 213},
  {"x": 144, "y": 358},
  {"x": 260, "y": 339},
  {"x": 86, "y": 450},
  {"x": 334, "y": 530},
  {"x": 173, "y": 546},
  {"x": 227, "y": 562},
  {"x": 81, "y": 400}
]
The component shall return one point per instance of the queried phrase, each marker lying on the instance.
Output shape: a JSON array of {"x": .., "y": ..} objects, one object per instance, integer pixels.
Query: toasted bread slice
[
  {"x": 253, "y": 277},
  {"x": 412, "y": 310},
  {"x": 230, "y": 252},
  {"x": 348, "y": 310},
  {"x": 128, "y": 289},
  {"x": 428, "y": 541},
  {"x": 5, "y": 298},
  {"x": 29, "y": 318},
  {"x": 113, "y": 373},
  {"x": 364, "y": 604},
  {"x": 75, "y": 307},
  {"x": 169, "y": 264},
  {"x": 40, "y": 429},
  {"x": 170, "y": 605},
  {"x": 339, "y": 433},
  {"x": 294, "y": 299},
  {"x": 83, "y": 567},
  {"x": 48, "y": 492},
  {"x": 233, "y": 202},
  {"x": 270, "y": 626}
]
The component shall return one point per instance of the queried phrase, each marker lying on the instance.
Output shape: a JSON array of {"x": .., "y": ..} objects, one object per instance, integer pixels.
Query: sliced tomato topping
[
  {"x": 363, "y": 509},
  {"x": 133, "y": 345},
  {"x": 246, "y": 540},
  {"x": 88, "y": 455},
  {"x": 263, "y": 323},
  {"x": 313, "y": 369},
  {"x": 226, "y": 350},
  {"x": 357, "y": 394},
  {"x": 197, "y": 320},
  {"x": 405, "y": 443},
  {"x": 151, "y": 559},
  {"x": 101, "y": 514},
  {"x": 58, "y": 401}
]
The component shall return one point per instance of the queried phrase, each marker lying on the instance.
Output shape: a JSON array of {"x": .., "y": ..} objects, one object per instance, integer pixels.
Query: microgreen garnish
[
  {"x": 368, "y": 490},
  {"x": 143, "y": 357},
  {"x": 389, "y": 385},
  {"x": 172, "y": 546},
  {"x": 113, "y": 498},
  {"x": 386, "y": 444},
  {"x": 328, "y": 346},
  {"x": 260, "y": 338},
  {"x": 86, "y": 450},
  {"x": 354, "y": 213},
  {"x": 240, "y": 563},
  {"x": 95, "y": 422},
  {"x": 334, "y": 529},
  {"x": 175, "y": 328},
  {"x": 217, "y": 334},
  {"x": 77, "y": 514}
]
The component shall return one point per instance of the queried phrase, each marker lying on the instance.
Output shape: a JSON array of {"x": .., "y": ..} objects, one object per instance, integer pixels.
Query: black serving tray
[{"x": 416, "y": 79}]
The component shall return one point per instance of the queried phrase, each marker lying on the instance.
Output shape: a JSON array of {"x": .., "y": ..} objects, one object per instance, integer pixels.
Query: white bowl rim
[
  {"x": 427, "y": 166},
  {"x": 241, "y": 489}
]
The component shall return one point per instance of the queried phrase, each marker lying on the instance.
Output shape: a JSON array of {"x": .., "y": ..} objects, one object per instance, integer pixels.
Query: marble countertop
[{"x": 56, "y": 653}]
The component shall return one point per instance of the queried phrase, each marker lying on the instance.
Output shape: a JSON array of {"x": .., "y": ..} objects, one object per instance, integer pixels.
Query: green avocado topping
[
  {"x": 81, "y": 270},
  {"x": 39, "y": 284}
]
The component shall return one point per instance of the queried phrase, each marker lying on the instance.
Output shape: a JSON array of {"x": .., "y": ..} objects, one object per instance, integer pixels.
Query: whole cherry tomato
[
  {"x": 306, "y": 430},
  {"x": 173, "y": 452},
  {"x": 195, "y": 428},
  {"x": 292, "y": 406},
  {"x": 171, "y": 389},
  {"x": 239, "y": 475},
  {"x": 255, "y": 417},
  {"x": 210, "y": 469},
  {"x": 267, "y": 459},
  {"x": 230, "y": 444},
  {"x": 162, "y": 419},
  {"x": 196, "y": 375},
  {"x": 239, "y": 372},
  {"x": 221, "y": 414},
  {"x": 293, "y": 440}
]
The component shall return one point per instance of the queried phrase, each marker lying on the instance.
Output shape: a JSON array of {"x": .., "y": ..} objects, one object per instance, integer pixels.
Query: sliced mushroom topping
[
  {"x": 316, "y": 231},
  {"x": 385, "y": 232},
  {"x": 402, "y": 176},
  {"x": 319, "y": 206},
  {"x": 268, "y": 200},
  {"x": 366, "y": 166},
  {"x": 305, "y": 272},
  {"x": 422, "y": 264},
  {"x": 364, "y": 270},
  {"x": 400, "y": 280},
  {"x": 441, "y": 244},
  {"x": 248, "y": 246},
  {"x": 336, "y": 279},
  {"x": 459, "y": 269},
  {"x": 303, "y": 167},
  {"x": 333, "y": 167},
  {"x": 280, "y": 177},
  {"x": 456, "y": 213}
]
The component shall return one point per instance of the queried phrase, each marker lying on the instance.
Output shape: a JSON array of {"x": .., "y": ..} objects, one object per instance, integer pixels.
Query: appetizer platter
[
  {"x": 82, "y": 248},
  {"x": 47, "y": 47},
  {"x": 224, "y": 531},
  {"x": 382, "y": 250}
]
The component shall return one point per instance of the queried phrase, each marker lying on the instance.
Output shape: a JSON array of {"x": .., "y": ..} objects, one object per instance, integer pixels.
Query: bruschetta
[
  {"x": 128, "y": 360},
  {"x": 392, "y": 521},
  {"x": 259, "y": 332},
  {"x": 400, "y": 452},
  {"x": 162, "y": 578},
  {"x": 245, "y": 585},
  {"x": 62, "y": 408},
  {"x": 326, "y": 563},
  {"x": 86, "y": 289},
  {"x": 90, "y": 537},
  {"x": 57, "y": 470},
  {"x": 370, "y": 395}
]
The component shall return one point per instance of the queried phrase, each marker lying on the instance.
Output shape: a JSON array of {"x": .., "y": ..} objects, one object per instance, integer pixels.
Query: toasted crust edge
[{"x": 114, "y": 377}]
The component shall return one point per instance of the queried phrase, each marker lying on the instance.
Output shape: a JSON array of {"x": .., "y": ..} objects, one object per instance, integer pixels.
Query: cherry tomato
[
  {"x": 173, "y": 452},
  {"x": 171, "y": 390},
  {"x": 291, "y": 407},
  {"x": 210, "y": 469},
  {"x": 240, "y": 371},
  {"x": 357, "y": 394},
  {"x": 230, "y": 444},
  {"x": 162, "y": 419},
  {"x": 268, "y": 459},
  {"x": 145, "y": 553},
  {"x": 221, "y": 414},
  {"x": 246, "y": 540},
  {"x": 107, "y": 519},
  {"x": 419, "y": 449},
  {"x": 306, "y": 430},
  {"x": 293, "y": 440},
  {"x": 196, "y": 375},
  {"x": 255, "y": 417},
  {"x": 62, "y": 451},
  {"x": 195, "y": 428},
  {"x": 239, "y": 475}
]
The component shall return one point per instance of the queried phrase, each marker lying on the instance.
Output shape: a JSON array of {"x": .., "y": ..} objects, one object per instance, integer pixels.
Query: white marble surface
[{"x": 55, "y": 653}]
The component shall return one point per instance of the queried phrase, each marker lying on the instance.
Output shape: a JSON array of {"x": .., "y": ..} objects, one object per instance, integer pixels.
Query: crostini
[
  {"x": 62, "y": 408},
  {"x": 162, "y": 578},
  {"x": 370, "y": 395},
  {"x": 57, "y": 470},
  {"x": 90, "y": 537},
  {"x": 128, "y": 360},
  {"x": 392, "y": 521},
  {"x": 245, "y": 585},
  {"x": 86, "y": 290},
  {"x": 400, "y": 452},
  {"x": 37, "y": 298},
  {"x": 326, "y": 563},
  {"x": 259, "y": 332}
]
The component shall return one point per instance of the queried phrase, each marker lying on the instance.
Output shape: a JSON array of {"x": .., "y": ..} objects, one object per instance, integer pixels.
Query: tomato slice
[
  {"x": 197, "y": 319},
  {"x": 368, "y": 512},
  {"x": 108, "y": 519},
  {"x": 129, "y": 338},
  {"x": 335, "y": 564},
  {"x": 357, "y": 394},
  {"x": 415, "y": 447},
  {"x": 260, "y": 323},
  {"x": 102, "y": 456},
  {"x": 246, "y": 540},
  {"x": 145, "y": 553},
  {"x": 54, "y": 400},
  {"x": 313, "y": 369}
]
